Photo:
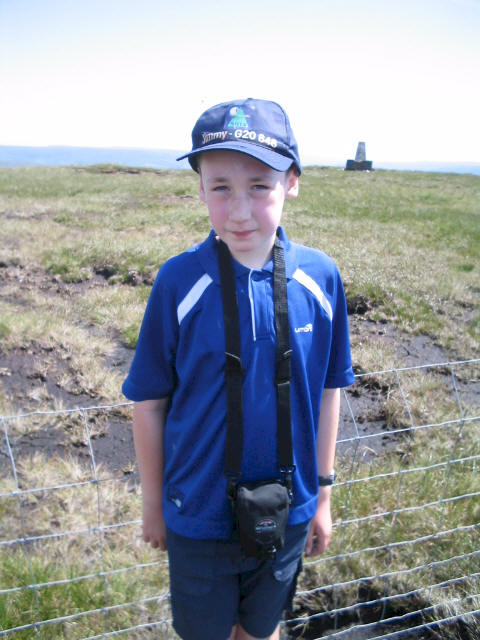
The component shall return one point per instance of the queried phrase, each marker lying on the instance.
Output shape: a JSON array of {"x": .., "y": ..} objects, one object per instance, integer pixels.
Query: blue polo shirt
[{"x": 181, "y": 354}]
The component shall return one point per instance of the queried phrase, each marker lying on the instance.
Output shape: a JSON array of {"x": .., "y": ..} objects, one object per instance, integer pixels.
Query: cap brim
[{"x": 259, "y": 152}]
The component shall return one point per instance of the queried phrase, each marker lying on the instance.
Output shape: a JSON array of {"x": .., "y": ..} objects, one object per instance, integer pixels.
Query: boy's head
[
  {"x": 258, "y": 128},
  {"x": 248, "y": 162}
]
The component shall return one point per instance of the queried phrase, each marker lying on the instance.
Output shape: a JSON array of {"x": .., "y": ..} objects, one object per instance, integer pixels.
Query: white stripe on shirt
[
  {"x": 310, "y": 284},
  {"x": 252, "y": 306},
  {"x": 193, "y": 296}
]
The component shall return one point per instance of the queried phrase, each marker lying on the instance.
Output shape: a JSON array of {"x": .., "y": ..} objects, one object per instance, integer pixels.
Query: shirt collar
[{"x": 207, "y": 255}]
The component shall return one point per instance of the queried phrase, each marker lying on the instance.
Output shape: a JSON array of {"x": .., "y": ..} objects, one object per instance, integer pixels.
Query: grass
[
  {"x": 410, "y": 511},
  {"x": 79, "y": 248},
  {"x": 80, "y": 552},
  {"x": 399, "y": 239},
  {"x": 408, "y": 243}
]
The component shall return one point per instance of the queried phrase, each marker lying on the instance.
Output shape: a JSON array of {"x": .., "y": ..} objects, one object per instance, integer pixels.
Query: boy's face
[{"x": 245, "y": 201}]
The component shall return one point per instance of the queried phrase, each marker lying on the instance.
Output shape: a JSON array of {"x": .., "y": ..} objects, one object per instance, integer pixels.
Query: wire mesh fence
[{"x": 404, "y": 561}]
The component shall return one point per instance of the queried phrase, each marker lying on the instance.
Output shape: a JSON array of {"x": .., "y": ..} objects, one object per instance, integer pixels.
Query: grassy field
[
  {"x": 79, "y": 249},
  {"x": 407, "y": 244}
]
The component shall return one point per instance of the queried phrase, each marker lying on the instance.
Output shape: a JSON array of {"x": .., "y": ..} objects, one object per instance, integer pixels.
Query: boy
[{"x": 247, "y": 159}]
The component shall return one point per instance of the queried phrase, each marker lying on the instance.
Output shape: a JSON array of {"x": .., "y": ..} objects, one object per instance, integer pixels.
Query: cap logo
[{"x": 239, "y": 120}]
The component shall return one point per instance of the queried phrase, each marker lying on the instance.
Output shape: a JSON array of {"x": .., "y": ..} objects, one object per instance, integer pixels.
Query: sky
[{"x": 401, "y": 75}]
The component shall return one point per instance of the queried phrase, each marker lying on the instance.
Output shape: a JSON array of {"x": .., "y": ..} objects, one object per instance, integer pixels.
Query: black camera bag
[{"x": 261, "y": 514}]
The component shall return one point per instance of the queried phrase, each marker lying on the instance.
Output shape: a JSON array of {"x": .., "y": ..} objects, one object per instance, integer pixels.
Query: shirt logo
[
  {"x": 308, "y": 328},
  {"x": 239, "y": 120}
]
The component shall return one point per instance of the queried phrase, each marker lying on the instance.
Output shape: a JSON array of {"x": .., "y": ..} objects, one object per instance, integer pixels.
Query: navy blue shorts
[{"x": 214, "y": 586}]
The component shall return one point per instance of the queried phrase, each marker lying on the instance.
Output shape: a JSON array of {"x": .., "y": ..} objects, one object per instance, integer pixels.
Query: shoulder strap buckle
[{"x": 283, "y": 367}]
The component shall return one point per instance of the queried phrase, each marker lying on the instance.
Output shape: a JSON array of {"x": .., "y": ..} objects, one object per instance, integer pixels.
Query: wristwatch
[{"x": 327, "y": 481}]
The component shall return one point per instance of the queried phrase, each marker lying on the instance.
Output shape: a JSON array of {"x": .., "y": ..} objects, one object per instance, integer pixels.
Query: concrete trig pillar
[
  {"x": 360, "y": 163},
  {"x": 361, "y": 154}
]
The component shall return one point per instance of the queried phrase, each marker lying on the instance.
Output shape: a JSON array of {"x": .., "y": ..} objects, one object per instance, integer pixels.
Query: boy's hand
[
  {"x": 154, "y": 530},
  {"x": 320, "y": 531}
]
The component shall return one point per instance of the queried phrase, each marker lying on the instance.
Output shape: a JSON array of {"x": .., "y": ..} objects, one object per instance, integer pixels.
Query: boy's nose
[{"x": 240, "y": 208}]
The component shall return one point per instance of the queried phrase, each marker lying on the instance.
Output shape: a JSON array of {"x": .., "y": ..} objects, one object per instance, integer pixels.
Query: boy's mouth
[{"x": 242, "y": 234}]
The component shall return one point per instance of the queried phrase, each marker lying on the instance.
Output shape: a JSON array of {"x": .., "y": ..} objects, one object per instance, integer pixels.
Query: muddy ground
[
  {"x": 37, "y": 375},
  {"x": 33, "y": 376}
]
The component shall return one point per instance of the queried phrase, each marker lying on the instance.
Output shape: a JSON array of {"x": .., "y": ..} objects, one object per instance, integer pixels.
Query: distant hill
[
  {"x": 58, "y": 156},
  {"x": 438, "y": 167},
  {"x": 413, "y": 165},
  {"x": 11, "y": 156}
]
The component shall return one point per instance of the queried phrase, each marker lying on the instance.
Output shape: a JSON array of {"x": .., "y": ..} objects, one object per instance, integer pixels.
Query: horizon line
[{"x": 308, "y": 161}]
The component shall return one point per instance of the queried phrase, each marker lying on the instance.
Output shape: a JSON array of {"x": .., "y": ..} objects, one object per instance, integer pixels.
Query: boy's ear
[{"x": 292, "y": 183}]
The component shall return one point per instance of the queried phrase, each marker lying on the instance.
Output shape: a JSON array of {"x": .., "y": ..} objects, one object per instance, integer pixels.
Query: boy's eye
[
  {"x": 220, "y": 187},
  {"x": 260, "y": 187}
]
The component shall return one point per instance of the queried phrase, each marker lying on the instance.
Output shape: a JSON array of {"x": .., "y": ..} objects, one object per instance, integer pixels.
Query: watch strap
[{"x": 327, "y": 481}]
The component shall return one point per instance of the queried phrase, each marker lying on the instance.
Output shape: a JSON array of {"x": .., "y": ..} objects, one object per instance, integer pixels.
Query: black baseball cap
[{"x": 258, "y": 128}]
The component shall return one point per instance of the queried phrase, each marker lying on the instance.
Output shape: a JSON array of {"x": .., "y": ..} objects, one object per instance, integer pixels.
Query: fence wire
[{"x": 404, "y": 557}]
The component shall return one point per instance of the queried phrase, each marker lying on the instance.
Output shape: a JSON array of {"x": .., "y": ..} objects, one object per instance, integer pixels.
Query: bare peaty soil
[{"x": 34, "y": 376}]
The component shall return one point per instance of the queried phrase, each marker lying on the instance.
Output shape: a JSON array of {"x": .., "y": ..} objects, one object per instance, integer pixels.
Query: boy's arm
[
  {"x": 148, "y": 424},
  {"x": 321, "y": 525}
]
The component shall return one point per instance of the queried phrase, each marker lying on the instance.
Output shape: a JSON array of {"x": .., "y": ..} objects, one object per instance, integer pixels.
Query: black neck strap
[{"x": 234, "y": 371}]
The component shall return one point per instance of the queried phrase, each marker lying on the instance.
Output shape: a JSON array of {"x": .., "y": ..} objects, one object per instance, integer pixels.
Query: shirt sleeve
[
  {"x": 339, "y": 372},
  {"x": 152, "y": 372}
]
